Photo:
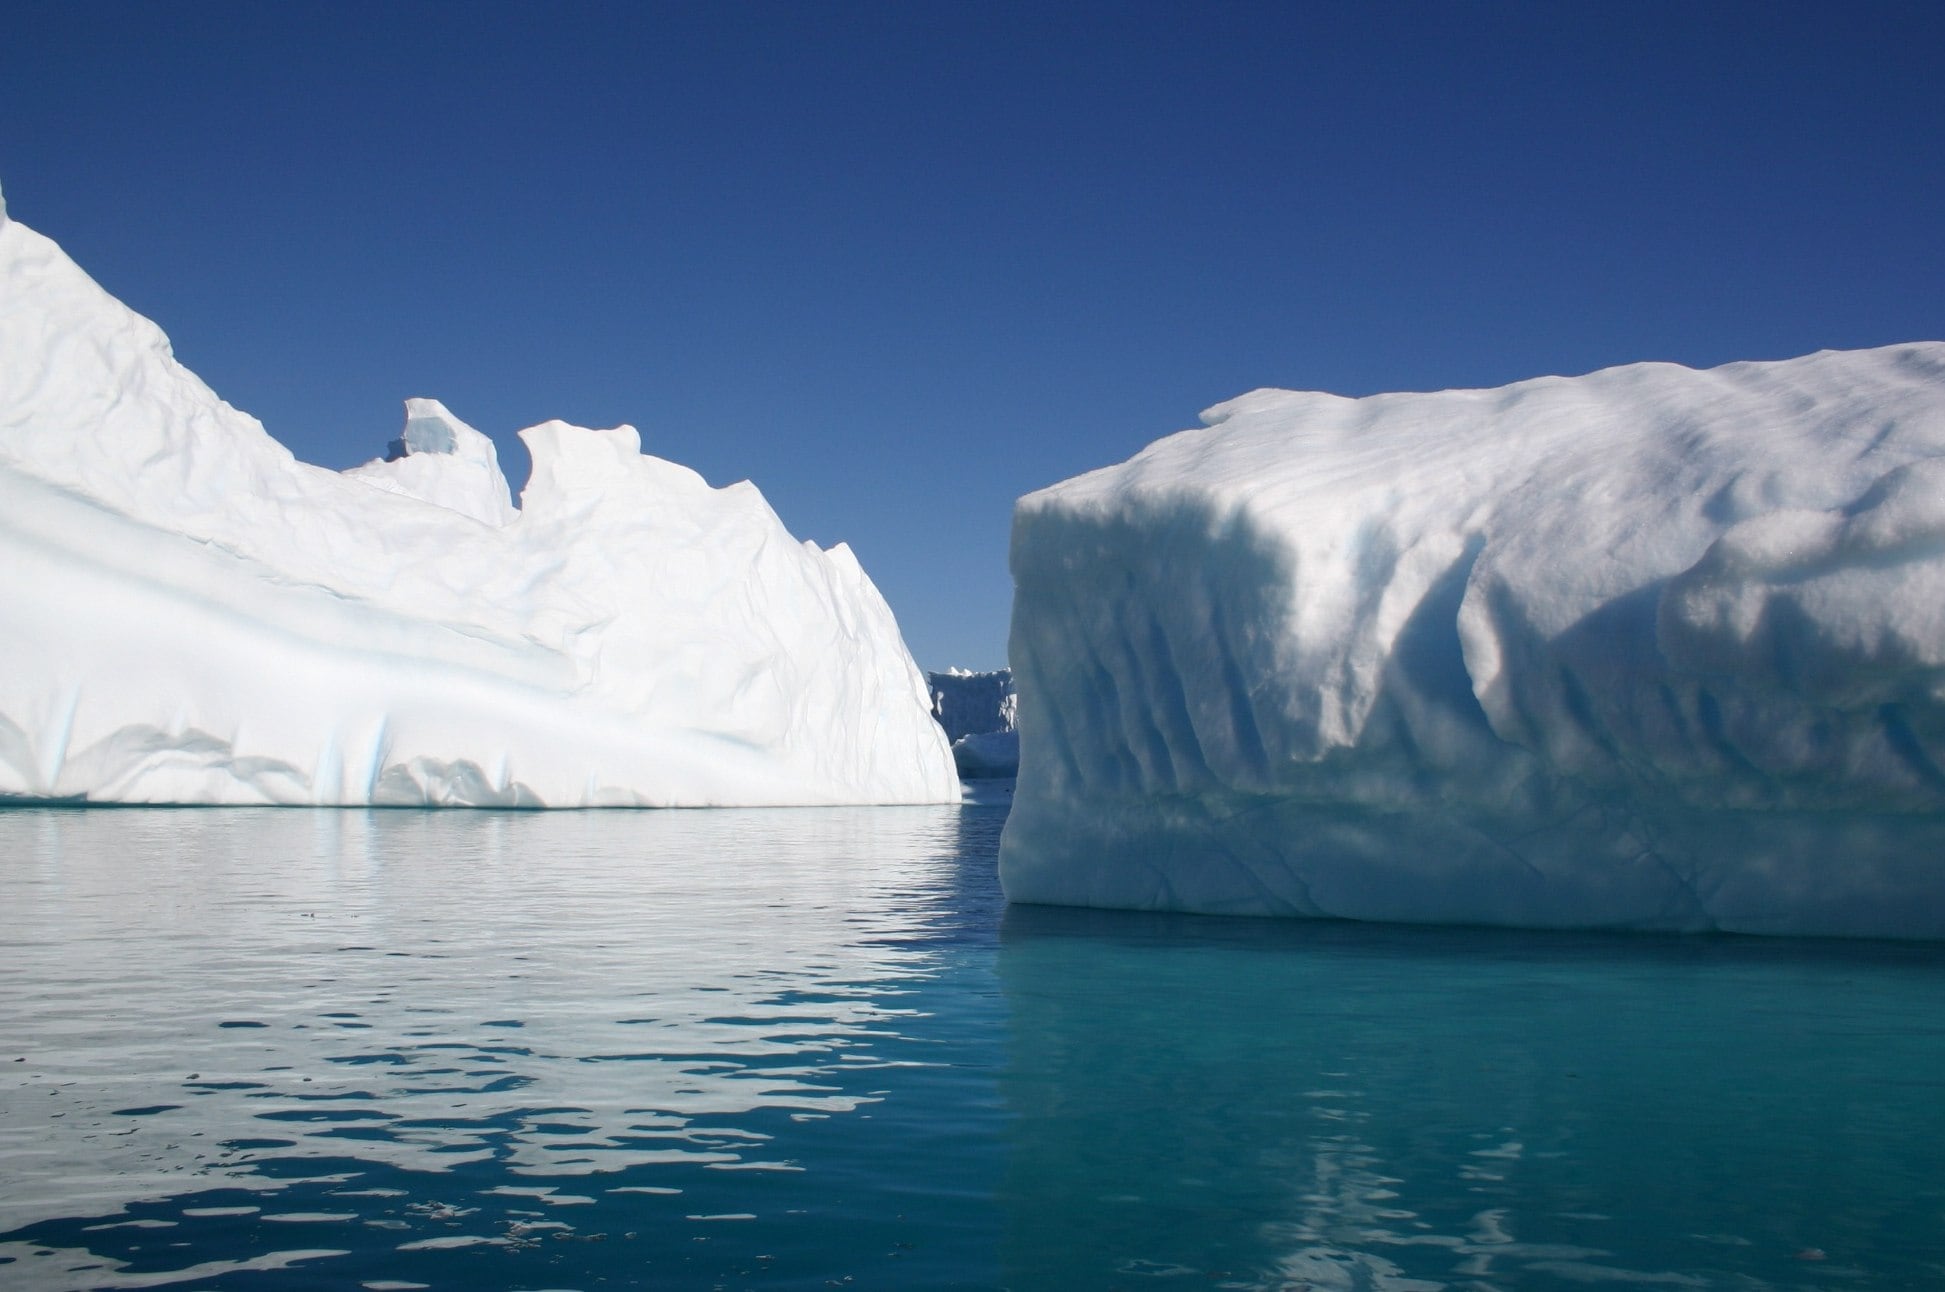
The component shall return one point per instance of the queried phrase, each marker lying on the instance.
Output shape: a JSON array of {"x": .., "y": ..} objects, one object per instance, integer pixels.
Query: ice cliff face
[
  {"x": 1650, "y": 648},
  {"x": 193, "y": 616},
  {"x": 978, "y": 712},
  {"x": 968, "y": 703}
]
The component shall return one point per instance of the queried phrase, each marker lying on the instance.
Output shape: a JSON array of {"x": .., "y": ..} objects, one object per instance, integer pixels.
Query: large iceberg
[
  {"x": 1652, "y": 648},
  {"x": 193, "y": 616}
]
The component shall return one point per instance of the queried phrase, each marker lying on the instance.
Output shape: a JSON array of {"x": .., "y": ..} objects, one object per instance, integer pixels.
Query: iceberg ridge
[{"x": 196, "y": 617}]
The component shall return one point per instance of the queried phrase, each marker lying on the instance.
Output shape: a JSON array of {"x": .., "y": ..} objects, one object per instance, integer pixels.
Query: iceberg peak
[
  {"x": 430, "y": 427},
  {"x": 194, "y": 616},
  {"x": 441, "y": 460}
]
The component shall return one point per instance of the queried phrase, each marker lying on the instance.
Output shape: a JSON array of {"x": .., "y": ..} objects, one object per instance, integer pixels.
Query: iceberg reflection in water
[
  {"x": 1411, "y": 1109},
  {"x": 416, "y": 1045},
  {"x": 284, "y": 1049}
]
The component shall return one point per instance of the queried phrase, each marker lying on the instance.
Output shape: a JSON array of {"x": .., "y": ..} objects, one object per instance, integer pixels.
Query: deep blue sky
[{"x": 900, "y": 263}]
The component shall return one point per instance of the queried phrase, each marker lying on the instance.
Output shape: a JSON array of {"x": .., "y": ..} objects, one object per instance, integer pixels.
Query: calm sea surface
[{"x": 811, "y": 1049}]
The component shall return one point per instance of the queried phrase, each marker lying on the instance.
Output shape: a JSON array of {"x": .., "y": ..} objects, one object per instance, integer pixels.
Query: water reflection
[
  {"x": 1258, "y": 1104},
  {"x": 803, "y": 1049},
  {"x": 200, "y": 1003}
]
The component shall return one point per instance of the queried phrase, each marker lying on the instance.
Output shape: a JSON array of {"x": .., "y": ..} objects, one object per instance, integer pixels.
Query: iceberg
[
  {"x": 439, "y": 459},
  {"x": 987, "y": 755},
  {"x": 967, "y": 703},
  {"x": 978, "y": 712},
  {"x": 193, "y": 616},
  {"x": 1652, "y": 648}
]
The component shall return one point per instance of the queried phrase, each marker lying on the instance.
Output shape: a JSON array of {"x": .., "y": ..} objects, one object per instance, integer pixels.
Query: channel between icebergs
[{"x": 1651, "y": 648}]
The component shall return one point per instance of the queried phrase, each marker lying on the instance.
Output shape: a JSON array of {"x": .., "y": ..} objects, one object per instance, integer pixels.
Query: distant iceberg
[
  {"x": 987, "y": 755},
  {"x": 979, "y": 713},
  {"x": 193, "y": 616},
  {"x": 1652, "y": 648}
]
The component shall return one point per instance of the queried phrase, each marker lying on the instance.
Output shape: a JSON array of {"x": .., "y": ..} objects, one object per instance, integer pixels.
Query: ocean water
[{"x": 812, "y": 1049}]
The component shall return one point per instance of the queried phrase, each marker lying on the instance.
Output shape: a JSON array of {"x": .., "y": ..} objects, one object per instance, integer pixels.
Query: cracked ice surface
[
  {"x": 193, "y": 616},
  {"x": 1649, "y": 648}
]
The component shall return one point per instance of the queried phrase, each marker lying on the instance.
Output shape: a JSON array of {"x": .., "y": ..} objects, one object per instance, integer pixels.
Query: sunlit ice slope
[
  {"x": 1653, "y": 648},
  {"x": 193, "y": 616}
]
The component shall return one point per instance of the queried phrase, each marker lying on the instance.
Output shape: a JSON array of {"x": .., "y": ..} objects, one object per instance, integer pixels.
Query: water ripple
[{"x": 260, "y": 1003}]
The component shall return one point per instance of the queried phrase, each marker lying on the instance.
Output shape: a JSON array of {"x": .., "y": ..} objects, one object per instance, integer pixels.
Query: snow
[
  {"x": 193, "y": 616},
  {"x": 978, "y": 712},
  {"x": 1649, "y": 648},
  {"x": 439, "y": 459}
]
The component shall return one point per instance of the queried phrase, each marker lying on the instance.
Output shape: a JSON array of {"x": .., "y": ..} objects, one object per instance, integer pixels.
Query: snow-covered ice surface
[
  {"x": 193, "y": 616},
  {"x": 1651, "y": 648},
  {"x": 439, "y": 459}
]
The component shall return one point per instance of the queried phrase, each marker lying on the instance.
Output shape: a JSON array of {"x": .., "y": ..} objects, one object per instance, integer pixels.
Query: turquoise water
[{"x": 810, "y": 1049}]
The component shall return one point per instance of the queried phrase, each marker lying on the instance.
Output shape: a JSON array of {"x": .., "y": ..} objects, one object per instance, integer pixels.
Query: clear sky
[{"x": 900, "y": 263}]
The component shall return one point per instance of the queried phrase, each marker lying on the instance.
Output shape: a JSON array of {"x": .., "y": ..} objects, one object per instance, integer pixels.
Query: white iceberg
[
  {"x": 1651, "y": 648},
  {"x": 193, "y": 616},
  {"x": 439, "y": 459}
]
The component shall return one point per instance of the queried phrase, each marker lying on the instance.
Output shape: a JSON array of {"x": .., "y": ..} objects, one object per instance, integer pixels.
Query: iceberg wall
[
  {"x": 978, "y": 712},
  {"x": 968, "y": 703},
  {"x": 193, "y": 616},
  {"x": 1651, "y": 648}
]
